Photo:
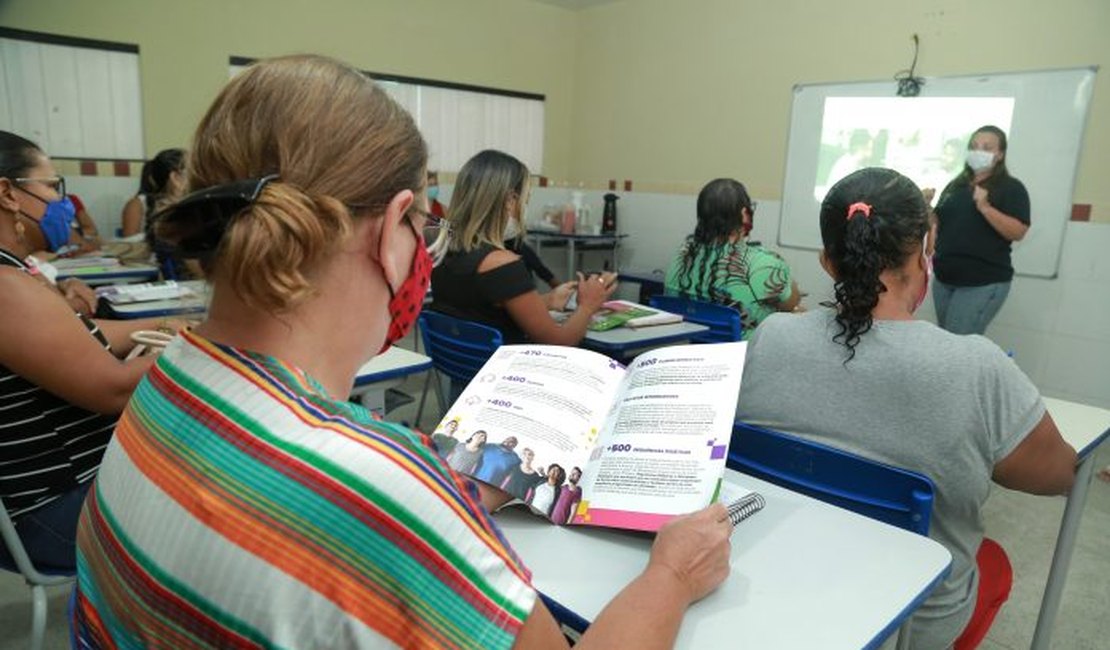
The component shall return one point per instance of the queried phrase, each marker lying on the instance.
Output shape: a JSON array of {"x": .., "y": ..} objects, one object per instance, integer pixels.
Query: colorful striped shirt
[{"x": 238, "y": 507}]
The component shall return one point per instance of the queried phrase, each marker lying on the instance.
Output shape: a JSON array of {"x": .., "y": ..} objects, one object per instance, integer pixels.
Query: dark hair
[
  {"x": 561, "y": 475},
  {"x": 998, "y": 173},
  {"x": 860, "y": 247},
  {"x": 17, "y": 155},
  {"x": 156, "y": 173},
  {"x": 720, "y": 204}
]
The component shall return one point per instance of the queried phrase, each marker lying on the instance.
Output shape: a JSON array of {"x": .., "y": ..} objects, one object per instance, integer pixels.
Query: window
[
  {"x": 458, "y": 120},
  {"x": 76, "y": 98}
]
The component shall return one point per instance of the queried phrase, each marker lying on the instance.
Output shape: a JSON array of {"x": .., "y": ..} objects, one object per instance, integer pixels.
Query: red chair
[{"x": 996, "y": 576}]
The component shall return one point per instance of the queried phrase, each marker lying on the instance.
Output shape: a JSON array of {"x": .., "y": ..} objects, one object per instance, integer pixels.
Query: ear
[
  {"x": 8, "y": 201},
  {"x": 396, "y": 243},
  {"x": 827, "y": 264}
]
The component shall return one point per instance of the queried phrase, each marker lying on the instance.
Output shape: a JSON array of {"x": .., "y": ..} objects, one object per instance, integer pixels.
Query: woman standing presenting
[{"x": 980, "y": 212}]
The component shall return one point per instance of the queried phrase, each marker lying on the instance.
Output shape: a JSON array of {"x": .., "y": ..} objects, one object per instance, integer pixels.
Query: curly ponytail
[{"x": 871, "y": 221}]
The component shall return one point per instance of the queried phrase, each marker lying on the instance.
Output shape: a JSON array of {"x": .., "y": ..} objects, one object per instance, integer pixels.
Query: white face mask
[
  {"x": 512, "y": 229},
  {"x": 979, "y": 160}
]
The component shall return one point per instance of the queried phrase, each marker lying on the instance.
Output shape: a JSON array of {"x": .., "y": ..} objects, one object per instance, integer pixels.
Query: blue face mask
[
  {"x": 433, "y": 192},
  {"x": 57, "y": 222}
]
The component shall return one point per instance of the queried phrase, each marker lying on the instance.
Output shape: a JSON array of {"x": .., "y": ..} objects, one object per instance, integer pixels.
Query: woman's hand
[
  {"x": 557, "y": 298},
  {"x": 595, "y": 290},
  {"x": 79, "y": 295},
  {"x": 695, "y": 549},
  {"x": 980, "y": 195}
]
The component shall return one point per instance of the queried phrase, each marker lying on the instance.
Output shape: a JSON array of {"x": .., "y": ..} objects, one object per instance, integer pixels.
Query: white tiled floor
[{"x": 1025, "y": 525}]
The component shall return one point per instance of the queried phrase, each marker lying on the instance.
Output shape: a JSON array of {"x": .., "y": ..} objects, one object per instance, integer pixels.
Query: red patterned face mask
[{"x": 405, "y": 304}]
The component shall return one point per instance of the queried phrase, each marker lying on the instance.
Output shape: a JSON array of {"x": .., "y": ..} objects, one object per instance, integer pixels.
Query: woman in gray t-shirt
[{"x": 883, "y": 385}]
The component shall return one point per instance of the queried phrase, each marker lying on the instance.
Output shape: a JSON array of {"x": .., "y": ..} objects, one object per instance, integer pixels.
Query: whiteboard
[{"x": 1045, "y": 139}]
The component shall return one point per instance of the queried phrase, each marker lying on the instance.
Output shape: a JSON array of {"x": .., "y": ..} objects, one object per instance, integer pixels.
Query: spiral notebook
[{"x": 741, "y": 503}]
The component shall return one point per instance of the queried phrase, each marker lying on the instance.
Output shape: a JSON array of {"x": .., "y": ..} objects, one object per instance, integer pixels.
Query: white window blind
[
  {"x": 458, "y": 123},
  {"x": 73, "y": 100}
]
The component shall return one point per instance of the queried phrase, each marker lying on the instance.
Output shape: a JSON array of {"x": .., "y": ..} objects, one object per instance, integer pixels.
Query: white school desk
[
  {"x": 1084, "y": 428},
  {"x": 612, "y": 242},
  {"x": 619, "y": 342},
  {"x": 99, "y": 275},
  {"x": 804, "y": 575},
  {"x": 384, "y": 371},
  {"x": 195, "y": 304}
]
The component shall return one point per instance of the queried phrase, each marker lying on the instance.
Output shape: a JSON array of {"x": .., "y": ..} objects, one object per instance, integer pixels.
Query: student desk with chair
[
  {"x": 804, "y": 574},
  {"x": 576, "y": 242},
  {"x": 384, "y": 371},
  {"x": 624, "y": 342},
  {"x": 1084, "y": 428}
]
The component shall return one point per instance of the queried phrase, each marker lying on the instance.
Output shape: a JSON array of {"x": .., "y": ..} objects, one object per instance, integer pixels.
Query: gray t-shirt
[{"x": 914, "y": 396}]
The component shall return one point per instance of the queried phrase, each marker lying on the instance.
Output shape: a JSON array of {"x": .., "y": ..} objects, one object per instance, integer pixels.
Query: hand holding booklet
[{"x": 585, "y": 440}]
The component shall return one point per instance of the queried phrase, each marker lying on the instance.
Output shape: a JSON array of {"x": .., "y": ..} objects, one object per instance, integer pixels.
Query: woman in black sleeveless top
[
  {"x": 479, "y": 280},
  {"x": 61, "y": 387}
]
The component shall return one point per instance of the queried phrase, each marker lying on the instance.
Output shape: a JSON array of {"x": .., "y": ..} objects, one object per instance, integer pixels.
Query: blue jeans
[
  {"x": 49, "y": 534},
  {"x": 968, "y": 310}
]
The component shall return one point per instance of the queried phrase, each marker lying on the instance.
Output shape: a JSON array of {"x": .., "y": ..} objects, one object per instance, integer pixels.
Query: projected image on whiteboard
[{"x": 925, "y": 138}]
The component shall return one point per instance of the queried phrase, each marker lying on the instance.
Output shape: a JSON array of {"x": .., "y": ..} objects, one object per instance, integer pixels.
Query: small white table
[
  {"x": 1084, "y": 428},
  {"x": 621, "y": 342},
  {"x": 195, "y": 304},
  {"x": 805, "y": 574},
  {"x": 384, "y": 371},
  {"x": 611, "y": 242}
]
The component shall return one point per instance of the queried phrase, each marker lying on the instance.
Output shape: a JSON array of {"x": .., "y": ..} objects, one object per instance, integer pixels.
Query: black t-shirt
[
  {"x": 970, "y": 252},
  {"x": 459, "y": 290}
]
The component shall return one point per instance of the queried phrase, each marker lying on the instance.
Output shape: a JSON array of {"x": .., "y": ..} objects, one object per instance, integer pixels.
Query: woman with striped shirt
[
  {"x": 61, "y": 385},
  {"x": 244, "y": 501}
]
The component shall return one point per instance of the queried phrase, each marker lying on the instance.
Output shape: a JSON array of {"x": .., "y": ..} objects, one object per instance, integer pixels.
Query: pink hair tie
[{"x": 859, "y": 206}]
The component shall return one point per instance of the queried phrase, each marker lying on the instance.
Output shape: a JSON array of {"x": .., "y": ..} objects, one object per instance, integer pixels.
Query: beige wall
[
  {"x": 668, "y": 93},
  {"x": 185, "y": 44},
  {"x": 672, "y": 93}
]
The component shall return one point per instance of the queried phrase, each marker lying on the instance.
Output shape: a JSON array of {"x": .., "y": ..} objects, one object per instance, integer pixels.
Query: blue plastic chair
[
  {"x": 458, "y": 348},
  {"x": 889, "y": 494},
  {"x": 723, "y": 322},
  {"x": 35, "y": 578}
]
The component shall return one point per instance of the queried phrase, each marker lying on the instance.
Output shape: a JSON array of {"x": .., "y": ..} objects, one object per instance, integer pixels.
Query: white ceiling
[{"x": 577, "y": 4}]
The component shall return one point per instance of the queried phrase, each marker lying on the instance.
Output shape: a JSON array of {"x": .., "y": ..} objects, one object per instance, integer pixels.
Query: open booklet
[
  {"x": 585, "y": 440},
  {"x": 618, "y": 313}
]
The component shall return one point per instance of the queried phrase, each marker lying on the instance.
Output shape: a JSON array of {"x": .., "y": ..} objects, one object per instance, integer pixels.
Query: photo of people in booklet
[{"x": 584, "y": 440}]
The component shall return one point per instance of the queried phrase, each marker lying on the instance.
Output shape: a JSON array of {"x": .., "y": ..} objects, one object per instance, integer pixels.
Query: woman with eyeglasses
[
  {"x": 244, "y": 501},
  {"x": 480, "y": 280},
  {"x": 62, "y": 383},
  {"x": 717, "y": 263}
]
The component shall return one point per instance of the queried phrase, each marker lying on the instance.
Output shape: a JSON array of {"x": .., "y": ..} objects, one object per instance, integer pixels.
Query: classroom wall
[
  {"x": 670, "y": 94},
  {"x": 184, "y": 48}
]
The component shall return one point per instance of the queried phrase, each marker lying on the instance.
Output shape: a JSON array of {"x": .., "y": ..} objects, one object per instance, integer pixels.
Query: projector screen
[{"x": 838, "y": 128}]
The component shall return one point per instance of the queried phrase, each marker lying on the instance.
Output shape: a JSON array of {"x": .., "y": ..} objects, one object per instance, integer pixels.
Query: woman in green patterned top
[{"x": 717, "y": 264}]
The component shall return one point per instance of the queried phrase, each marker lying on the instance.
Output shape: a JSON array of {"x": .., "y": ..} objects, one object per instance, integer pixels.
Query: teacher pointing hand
[{"x": 979, "y": 213}]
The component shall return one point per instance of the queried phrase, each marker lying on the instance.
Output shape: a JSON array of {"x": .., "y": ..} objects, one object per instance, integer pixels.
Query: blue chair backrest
[
  {"x": 896, "y": 496},
  {"x": 723, "y": 322},
  {"x": 458, "y": 348}
]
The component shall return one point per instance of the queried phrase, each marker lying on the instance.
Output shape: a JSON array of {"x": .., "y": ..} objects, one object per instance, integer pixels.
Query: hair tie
[{"x": 859, "y": 206}]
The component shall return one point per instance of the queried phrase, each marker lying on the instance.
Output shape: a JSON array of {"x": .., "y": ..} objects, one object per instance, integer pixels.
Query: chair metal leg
[
  {"x": 38, "y": 616},
  {"x": 904, "y": 636},
  {"x": 423, "y": 397},
  {"x": 441, "y": 393}
]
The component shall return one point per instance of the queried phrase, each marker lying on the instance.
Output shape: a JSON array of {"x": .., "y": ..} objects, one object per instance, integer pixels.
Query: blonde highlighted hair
[
  {"x": 483, "y": 188},
  {"x": 342, "y": 149}
]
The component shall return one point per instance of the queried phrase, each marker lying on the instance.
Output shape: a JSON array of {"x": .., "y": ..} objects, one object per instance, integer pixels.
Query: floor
[{"x": 1025, "y": 525}]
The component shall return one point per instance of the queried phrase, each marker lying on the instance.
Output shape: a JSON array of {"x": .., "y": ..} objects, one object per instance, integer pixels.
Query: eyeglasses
[
  {"x": 56, "y": 183},
  {"x": 433, "y": 224}
]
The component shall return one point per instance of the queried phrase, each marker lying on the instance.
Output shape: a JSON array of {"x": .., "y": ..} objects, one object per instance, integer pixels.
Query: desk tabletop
[
  {"x": 804, "y": 574},
  {"x": 394, "y": 362},
  {"x": 110, "y": 274},
  {"x": 195, "y": 304},
  {"x": 623, "y": 339},
  {"x": 1083, "y": 427},
  {"x": 547, "y": 234}
]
